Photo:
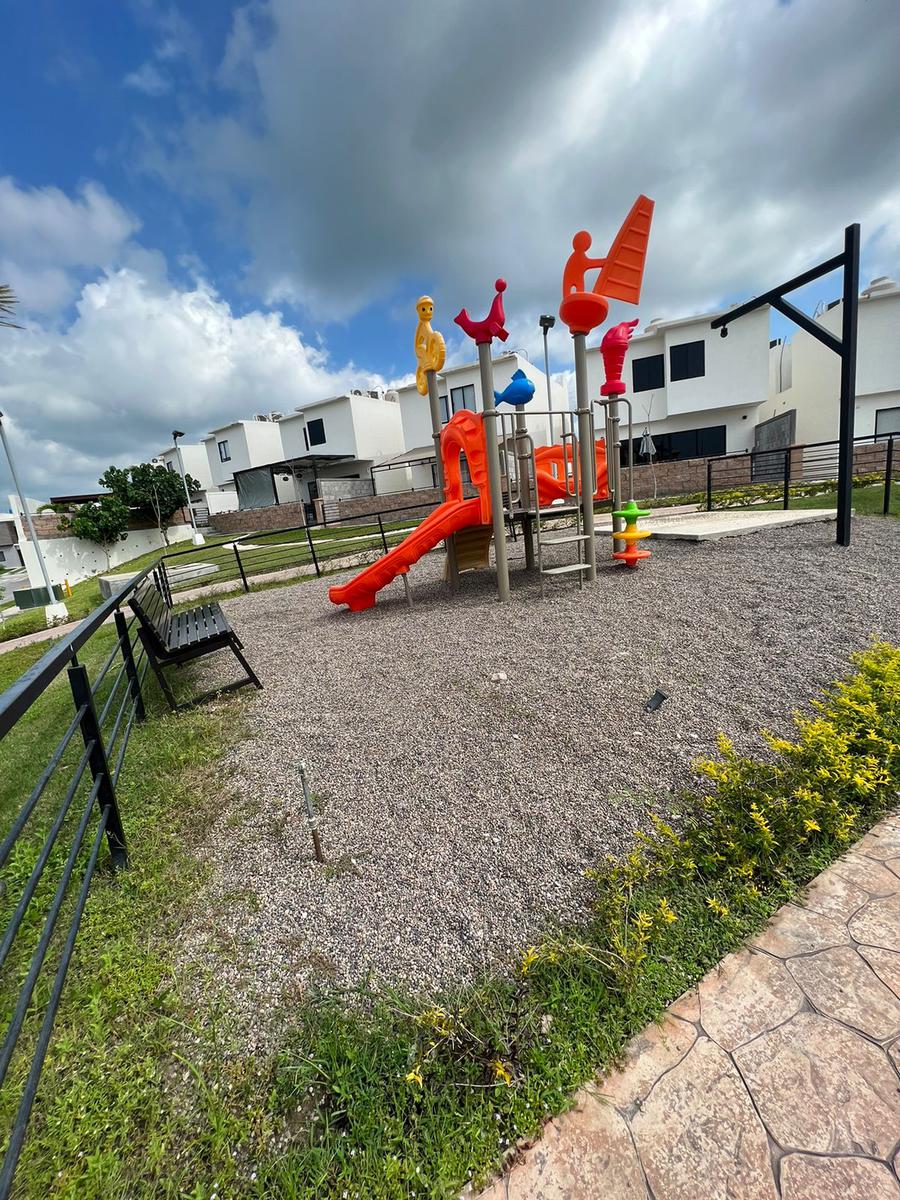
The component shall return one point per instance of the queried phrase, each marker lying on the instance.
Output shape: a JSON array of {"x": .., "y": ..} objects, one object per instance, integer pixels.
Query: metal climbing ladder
[{"x": 569, "y": 535}]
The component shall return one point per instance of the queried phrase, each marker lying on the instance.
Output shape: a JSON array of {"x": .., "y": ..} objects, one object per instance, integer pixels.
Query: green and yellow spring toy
[{"x": 631, "y": 535}]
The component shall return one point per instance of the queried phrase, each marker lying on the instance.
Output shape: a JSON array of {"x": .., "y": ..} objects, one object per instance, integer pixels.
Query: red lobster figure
[
  {"x": 484, "y": 332},
  {"x": 613, "y": 348}
]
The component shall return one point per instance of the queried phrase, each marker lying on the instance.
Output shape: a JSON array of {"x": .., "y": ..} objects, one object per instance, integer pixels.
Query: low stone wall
[
  {"x": 48, "y": 525},
  {"x": 249, "y": 520}
]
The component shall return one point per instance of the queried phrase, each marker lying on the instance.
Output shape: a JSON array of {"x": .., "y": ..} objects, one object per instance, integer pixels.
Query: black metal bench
[{"x": 173, "y": 638}]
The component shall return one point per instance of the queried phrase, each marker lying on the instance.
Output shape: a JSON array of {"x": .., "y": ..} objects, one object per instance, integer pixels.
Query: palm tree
[{"x": 7, "y": 306}]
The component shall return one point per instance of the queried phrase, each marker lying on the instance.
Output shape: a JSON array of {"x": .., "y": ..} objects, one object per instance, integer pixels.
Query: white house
[
  {"x": 340, "y": 438},
  {"x": 696, "y": 393},
  {"x": 240, "y": 446},
  {"x": 460, "y": 388},
  {"x": 195, "y": 459},
  {"x": 805, "y": 376}
]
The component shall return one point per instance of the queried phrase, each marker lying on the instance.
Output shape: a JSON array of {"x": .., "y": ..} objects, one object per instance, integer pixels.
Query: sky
[{"x": 213, "y": 209}]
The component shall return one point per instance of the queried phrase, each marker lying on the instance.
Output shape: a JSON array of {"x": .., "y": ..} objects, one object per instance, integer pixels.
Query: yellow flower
[
  {"x": 720, "y": 909},
  {"x": 501, "y": 1072},
  {"x": 812, "y": 826},
  {"x": 666, "y": 912},
  {"x": 529, "y": 958},
  {"x": 415, "y": 1076}
]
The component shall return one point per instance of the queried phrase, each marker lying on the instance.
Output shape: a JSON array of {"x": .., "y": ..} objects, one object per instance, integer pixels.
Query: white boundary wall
[{"x": 76, "y": 559}]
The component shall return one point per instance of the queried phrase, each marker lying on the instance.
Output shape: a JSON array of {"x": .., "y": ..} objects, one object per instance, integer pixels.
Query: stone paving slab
[{"x": 776, "y": 1078}]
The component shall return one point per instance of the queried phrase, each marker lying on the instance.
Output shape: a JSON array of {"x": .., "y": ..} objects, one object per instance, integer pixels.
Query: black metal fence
[
  {"x": 780, "y": 475},
  {"x": 298, "y": 550},
  {"x": 59, "y": 806}
]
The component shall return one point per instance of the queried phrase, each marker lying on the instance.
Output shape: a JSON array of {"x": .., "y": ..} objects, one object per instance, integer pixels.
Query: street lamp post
[
  {"x": 197, "y": 537},
  {"x": 546, "y": 323},
  {"x": 55, "y": 609}
]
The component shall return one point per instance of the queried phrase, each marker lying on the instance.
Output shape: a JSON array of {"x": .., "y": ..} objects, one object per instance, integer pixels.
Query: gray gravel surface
[{"x": 471, "y": 759}]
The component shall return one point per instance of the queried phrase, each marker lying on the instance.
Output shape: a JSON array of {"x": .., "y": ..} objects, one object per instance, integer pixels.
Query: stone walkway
[{"x": 777, "y": 1077}]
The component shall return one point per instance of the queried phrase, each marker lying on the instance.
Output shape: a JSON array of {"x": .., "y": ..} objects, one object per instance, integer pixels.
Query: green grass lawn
[
  {"x": 146, "y": 1096},
  {"x": 867, "y": 501}
]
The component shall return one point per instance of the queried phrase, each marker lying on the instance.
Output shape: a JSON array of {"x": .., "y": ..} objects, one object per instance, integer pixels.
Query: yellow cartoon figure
[{"x": 430, "y": 348}]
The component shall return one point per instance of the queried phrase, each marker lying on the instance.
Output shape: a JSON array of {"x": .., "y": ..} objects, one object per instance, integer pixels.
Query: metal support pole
[
  {"x": 786, "y": 498},
  {"x": 106, "y": 795},
  {"x": 888, "y": 472},
  {"x": 312, "y": 551},
  {"x": 547, "y": 374},
  {"x": 493, "y": 461},
  {"x": 586, "y": 451},
  {"x": 434, "y": 404},
  {"x": 51, "y": 599},
  {"x": 709, "y": 470},
  {"x": 134, "y": 682},
  {"x": 240, "y": 566},
  {"x": 198, "y": 538},
  {"x": 849, "y": 317},
  {"x": 524, "y": 451}
]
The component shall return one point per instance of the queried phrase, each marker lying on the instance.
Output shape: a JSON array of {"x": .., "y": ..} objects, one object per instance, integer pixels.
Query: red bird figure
[{"x": 492, "y": 326}]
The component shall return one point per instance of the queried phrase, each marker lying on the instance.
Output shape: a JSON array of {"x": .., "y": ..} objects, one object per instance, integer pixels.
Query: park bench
[{"x": 172, "y": 638}]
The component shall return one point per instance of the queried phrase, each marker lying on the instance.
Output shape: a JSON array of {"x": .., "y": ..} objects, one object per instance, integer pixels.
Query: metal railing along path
[{"x": 54, "y": 834}]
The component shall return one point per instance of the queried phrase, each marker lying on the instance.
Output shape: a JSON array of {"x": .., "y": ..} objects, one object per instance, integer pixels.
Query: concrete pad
[{"x": 710, "y": 526}]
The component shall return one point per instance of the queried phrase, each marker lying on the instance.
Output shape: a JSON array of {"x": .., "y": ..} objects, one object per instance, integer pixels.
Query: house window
[
  {"x": 316, "y": 431},
  {"x": 687, "y": 443},
  {"x": 2, "y": 556},
  {"x": 648, "y": 373},
  {"x": 463, "y": 397},
  {"x": 170, "y": 466},
  {"x": 687, "y": 361},
  {"x": 445, "y": 410},
  {"x": 224, "y": 452},
  {"x": 887, "y": 421}
]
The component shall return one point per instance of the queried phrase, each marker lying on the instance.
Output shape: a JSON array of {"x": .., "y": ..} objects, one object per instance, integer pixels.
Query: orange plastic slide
[{"x": 464, "y": 434}]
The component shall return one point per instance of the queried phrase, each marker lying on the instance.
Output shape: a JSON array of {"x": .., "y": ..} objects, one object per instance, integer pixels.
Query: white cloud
[
  {"x": 140, "y": 357},
  {"x": 475, "y": 142},
  {"x": 47, "y": 238},
  {"x": 148, "y": 79}
]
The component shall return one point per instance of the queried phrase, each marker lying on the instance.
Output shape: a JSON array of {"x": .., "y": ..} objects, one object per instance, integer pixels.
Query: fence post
[
  {"x": 161, "y": 576},
  {"x": 312, "y": 551},
  {"x": 381, "y": 531},
  {"x": 240, "y": 567},
  {"x": 786, "y": 502},
  {"x": 709, "y": 463},
  {"x": 106, "y": 795},
  {"x": 134, "y": 682},
  {"x": 888, "y": 473}
]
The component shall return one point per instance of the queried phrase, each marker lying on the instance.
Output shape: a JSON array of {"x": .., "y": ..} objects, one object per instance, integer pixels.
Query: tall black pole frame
[{"x": 844, "y": 347}]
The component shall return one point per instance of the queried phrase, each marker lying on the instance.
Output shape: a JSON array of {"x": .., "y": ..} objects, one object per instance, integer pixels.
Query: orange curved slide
[
  {"x": 550, "y": 470},
  {"x": 463, "y": 434},
  {"x": 446, "y": 519}
]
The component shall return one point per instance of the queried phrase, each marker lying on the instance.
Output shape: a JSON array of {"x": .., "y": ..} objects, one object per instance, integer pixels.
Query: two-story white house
[
  {"x": 195, "y": 459},
  {"x": 697, "y": 394},
  {"x": 805, "y": 376},
  {"x": 331, "y": 445},
  {"x": 460, "y": 388},
  {"x": 241, "y": 445}
]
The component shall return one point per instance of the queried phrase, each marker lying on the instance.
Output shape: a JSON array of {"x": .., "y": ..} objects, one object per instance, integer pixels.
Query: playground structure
[{"x": 514, "y": 480}]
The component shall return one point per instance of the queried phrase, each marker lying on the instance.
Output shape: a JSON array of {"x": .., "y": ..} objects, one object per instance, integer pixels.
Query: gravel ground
[{"x": 472, "y": 759}]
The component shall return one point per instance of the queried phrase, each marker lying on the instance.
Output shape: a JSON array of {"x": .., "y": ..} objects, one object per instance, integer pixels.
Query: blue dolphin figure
[{"x": 518, "y": 391}]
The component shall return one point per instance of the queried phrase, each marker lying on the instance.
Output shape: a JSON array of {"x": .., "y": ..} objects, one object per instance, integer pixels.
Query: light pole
[
  {"x": 546, "y": 323},
  {"x": 55, "y": 610},
  {"x": 197, "y": 537}
]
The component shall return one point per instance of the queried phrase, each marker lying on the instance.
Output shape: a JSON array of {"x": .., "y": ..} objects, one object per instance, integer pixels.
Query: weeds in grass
[{"x": 388, "y": 1097}]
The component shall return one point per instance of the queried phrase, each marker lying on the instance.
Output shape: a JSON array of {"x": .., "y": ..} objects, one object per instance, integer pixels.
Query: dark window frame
[
  {"x": 468, "y": 393},
  {"x": 690, "y": 362},
  {"x": 645, "y": 378},
  {"x": 682, "y": 445},
  {"x": 312, "y": 433},
  {"x": 224, "y": 451}
]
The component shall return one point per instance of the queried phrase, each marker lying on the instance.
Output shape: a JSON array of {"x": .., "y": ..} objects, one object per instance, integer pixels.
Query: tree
[
  {"x": 151, "y": 491},
  {"x": 8, "y": 304},
  {"x": 104, "y": 521}
]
